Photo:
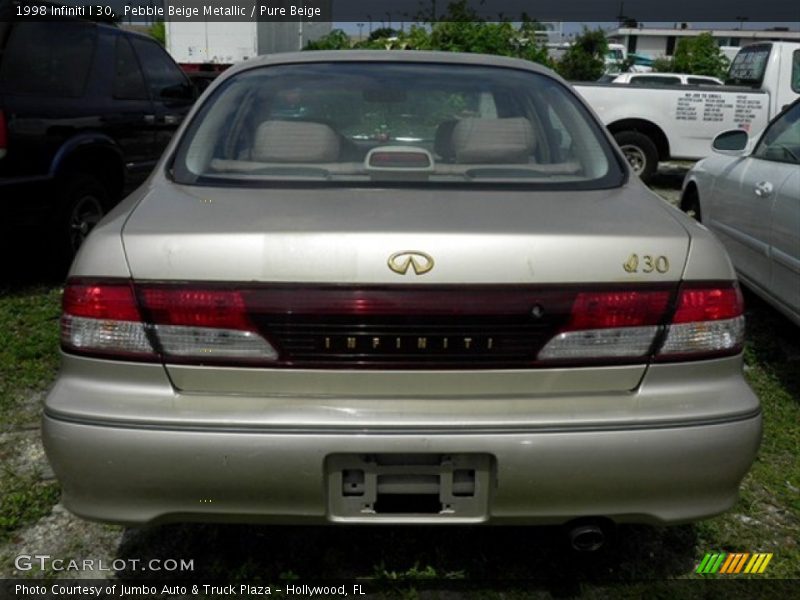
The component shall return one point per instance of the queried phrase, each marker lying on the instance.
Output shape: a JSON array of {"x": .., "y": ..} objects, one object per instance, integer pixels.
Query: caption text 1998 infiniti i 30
[{"x": 399, "y": 287}]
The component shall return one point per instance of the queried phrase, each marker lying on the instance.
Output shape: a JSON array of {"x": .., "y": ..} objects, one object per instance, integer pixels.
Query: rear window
[
  {"x": 394, "y": 122},
  {"x": 51, "y": 58},
  {"x": 748, "y": 65}
]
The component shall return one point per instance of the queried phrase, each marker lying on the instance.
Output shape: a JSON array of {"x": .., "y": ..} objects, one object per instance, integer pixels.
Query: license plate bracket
[{"x": 416, "y": 487}]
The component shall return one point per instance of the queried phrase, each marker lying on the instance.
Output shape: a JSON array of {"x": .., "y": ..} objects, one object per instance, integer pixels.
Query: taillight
[
  {"x": 697, "y": 304},
  {"x": 708, "y": 321},
  {"x": 609, "y": 325},
  {"x": 401, "y": 326},
  {"x": 3, "y": 135},
  {"x": 103, "y": 318},
  {"x": 206, "y": 324}
]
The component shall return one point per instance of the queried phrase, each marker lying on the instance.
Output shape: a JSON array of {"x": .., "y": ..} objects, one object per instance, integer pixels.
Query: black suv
[{"x": 85, "y": 111}]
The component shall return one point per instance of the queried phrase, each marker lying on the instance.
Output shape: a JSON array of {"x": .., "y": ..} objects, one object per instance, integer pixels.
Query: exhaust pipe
[{"x": 587, "y": 537}]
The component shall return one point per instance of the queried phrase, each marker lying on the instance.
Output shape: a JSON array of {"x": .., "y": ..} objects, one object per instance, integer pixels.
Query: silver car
[
  {"x": 369, "y": 287},
  {"x": 749, "y": 195}
]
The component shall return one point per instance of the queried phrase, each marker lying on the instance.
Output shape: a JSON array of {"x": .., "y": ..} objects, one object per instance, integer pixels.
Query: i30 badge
[{"x": 400, "y": 262}]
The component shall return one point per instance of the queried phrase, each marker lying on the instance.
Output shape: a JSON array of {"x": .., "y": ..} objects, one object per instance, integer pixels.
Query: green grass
[
  {"x": 24, "y": 499},
  {"x": 28, "y": 364},
  {"x": 28, "y": 350}
]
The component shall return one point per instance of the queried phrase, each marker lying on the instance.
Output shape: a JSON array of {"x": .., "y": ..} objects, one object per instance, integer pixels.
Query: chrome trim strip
[{"x": 787, "y": 260}]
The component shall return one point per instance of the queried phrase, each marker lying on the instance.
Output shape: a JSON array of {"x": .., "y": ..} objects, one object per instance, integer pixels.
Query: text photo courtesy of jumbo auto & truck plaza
[{"x": 343, "y": 319}]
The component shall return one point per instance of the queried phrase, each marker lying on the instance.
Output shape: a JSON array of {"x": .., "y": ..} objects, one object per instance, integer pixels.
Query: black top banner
[{"x": 406, "y": 11}]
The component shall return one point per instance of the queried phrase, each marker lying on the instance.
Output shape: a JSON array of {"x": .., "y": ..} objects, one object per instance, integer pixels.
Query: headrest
[
  {"x": 295, "y": 142},
  {"x": 493, "y": 140},
  {"x": 443, "y": 142}
]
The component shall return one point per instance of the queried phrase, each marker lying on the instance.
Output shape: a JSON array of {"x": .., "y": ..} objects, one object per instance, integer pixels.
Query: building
[
  {"x": 219, "y": 43},
  {"x": 655, "y": 42}
]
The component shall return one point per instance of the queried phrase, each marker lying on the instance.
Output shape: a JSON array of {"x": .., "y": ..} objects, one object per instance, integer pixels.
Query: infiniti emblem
[{"x": 400, "y": 262}]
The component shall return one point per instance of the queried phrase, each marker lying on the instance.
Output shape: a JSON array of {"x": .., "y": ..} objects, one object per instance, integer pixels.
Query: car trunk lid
[{"x": 405, "y": 280}]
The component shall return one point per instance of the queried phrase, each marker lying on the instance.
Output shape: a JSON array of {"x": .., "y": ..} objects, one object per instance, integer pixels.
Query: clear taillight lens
[
  {"x": 621, "y": 342},
  {"x": 212, "y": 344}
]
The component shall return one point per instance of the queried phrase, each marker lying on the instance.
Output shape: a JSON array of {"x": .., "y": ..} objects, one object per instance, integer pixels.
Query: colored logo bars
[{"x": 731, "y": 564}]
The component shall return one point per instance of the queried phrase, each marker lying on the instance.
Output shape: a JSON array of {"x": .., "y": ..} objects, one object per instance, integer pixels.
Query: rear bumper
[{"x": 666, "y": 474}]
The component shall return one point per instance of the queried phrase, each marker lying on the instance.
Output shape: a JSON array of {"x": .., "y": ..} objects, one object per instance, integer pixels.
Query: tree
[
  {"x": 158, "y": 32},
  {"x": 335, "y": 40},
  {"x": 381, "y": 33},
  {"x": 700, "y": 55},
  {"x": 585, "y": 60},
  {"x": 663, "y": 64},
  {"x": 461, "y": 30}
]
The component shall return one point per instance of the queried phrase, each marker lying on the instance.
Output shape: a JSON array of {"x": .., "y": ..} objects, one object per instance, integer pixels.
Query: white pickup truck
[{"x": 657, "y": 123}]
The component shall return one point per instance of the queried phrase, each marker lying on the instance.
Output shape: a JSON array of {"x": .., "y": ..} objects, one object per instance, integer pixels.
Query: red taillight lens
[
  {"x": 708, "y": 304},
  {"x": 601, "y": 310},
  {"x": 114, "y": 301},
  {"x": 195, "y": 307}
]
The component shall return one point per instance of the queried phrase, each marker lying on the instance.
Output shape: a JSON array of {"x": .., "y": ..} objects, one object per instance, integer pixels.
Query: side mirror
[{"x": 732, "y": 142}]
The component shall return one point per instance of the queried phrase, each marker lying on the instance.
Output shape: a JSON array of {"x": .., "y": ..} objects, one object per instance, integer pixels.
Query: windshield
[{"x": 394, "y": 122}]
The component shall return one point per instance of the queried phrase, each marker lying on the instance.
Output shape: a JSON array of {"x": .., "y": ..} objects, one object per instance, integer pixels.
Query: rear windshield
[
  {"x": 748, "y": 65},
  {"x": 422, "y": 123}
]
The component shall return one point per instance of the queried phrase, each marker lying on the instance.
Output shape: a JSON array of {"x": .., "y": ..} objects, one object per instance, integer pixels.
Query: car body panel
[
  {"x": 738, "y": 214},
  {"x": 665, "y": 475},
  {"x": 785, "y": 243},
  {"x": 346, "y": 235},
  {"x": 357, "y": 399}
]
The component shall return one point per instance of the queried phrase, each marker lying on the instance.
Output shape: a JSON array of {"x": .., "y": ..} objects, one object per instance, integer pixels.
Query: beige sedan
[{"x": 388, "y": 287}]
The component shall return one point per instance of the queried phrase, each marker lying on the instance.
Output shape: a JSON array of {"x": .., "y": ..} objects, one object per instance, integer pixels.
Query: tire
[
  {"x": 690, "y": 204},
  {"x": 640, "y": 152},
  {"x": 83, "y": 202}
]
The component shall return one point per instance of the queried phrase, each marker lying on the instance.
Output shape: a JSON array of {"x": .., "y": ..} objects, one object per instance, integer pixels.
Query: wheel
[
  {"x": 640, "y": 152},
  {"x": 690, "y": 203},
  {"x": 83, "y": 202}
]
